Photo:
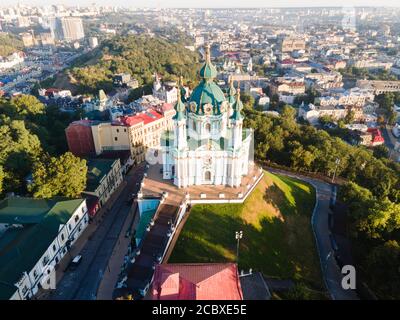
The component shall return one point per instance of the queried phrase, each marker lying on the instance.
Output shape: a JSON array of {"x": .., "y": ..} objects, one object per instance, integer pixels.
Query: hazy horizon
[{"x": 208, "y": 3}]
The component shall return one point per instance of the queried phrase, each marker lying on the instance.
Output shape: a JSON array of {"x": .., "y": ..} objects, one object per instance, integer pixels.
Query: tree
[
  {"x": 63, "y": 176},
  {"x": 248, "y": 100},
  {"x": 26, "y": 105},
  {"x": 9, "y": 44},
  {"x": 382, "y": 264},
  {"x": 1, "y": 179},
  {"x": 301, "y": 159},
  {"x": 381, "y": 151},
  {"x": 380, "y": 218},
  {"x": 288, "y": 117},
  {"x": 140, "y": 56},
  {"x": 349, "y": 118},
  {"x": 19, "y": 148},
  {"x": 325, "y": 119}
]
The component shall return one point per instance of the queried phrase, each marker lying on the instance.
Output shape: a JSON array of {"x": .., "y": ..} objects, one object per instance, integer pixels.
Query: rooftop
[
  {"x": 22, "y": 247},
  {"x": 197, "y": 281},
  {"x": 97, "y": 170}
]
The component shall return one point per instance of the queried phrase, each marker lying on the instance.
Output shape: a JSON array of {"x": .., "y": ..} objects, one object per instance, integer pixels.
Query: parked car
[{"x": 75, "y": 263}]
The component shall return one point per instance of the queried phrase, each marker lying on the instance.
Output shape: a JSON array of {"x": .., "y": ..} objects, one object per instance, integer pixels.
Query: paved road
[
  {"x": 331, "y": 272},
  {"x": 388, "y": 140},
  {"x": 82, "y": 284}
]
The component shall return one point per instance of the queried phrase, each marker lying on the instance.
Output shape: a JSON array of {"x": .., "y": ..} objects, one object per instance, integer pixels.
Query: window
[
  {"x": 208, "y": 127},
  {"x": 62, "y": 237},
  {"x": 54, "y": 248},
  {"x": 124, "y": 130},
  {"x": 45, "y": 260},
  {"x": 76, "y": 218},
  {"x": 117, "y": 130},
  {"x": 69, "y": 227},
  {"x": 35, "y": 274},
  {"x": 116, "y": 138}
]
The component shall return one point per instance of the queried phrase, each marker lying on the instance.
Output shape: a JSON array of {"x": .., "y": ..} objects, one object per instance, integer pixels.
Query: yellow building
[{"x": 135, "y": 133}]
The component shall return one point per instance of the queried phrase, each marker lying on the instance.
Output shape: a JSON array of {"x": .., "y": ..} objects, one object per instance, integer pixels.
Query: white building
[
  {"x": 35, "y": 234},
  {"x": 208, "y": 145},
  {"x": 165, "y": 92},
  {"x": 312, "y": 113},
  {"x": 11, "y": 61},
  {"x": 355, "y": 97}
]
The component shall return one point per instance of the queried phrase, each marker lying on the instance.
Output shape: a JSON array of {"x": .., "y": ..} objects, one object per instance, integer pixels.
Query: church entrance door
[{"x": 207, "y": 176}]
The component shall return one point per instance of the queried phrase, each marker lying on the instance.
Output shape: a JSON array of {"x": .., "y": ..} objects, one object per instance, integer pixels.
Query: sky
[{"x": 211, "y": 3}]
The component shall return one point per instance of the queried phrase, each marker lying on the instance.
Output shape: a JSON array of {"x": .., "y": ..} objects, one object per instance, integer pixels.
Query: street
[{"x": 82, "y": 284}]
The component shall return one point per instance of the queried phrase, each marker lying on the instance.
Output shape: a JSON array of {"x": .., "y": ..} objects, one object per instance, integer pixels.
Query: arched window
[
  {"x": 207, "y": 176},
  {"x": 208, "y": 127}
]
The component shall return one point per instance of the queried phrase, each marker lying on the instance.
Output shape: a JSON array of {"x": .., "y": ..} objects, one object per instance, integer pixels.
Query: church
[{"x": 208, "y": 145}]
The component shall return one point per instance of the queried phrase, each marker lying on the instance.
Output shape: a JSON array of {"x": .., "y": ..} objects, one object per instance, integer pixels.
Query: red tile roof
[
  {"x": 145, "y": 117},
  {"x": 197, "y": 281}
]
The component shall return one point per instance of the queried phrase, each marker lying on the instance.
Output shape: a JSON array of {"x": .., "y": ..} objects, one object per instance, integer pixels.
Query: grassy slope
[{"x": 277, "y": 240}]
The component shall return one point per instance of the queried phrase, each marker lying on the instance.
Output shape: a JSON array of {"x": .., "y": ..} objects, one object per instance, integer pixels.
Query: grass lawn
[{"x": 277, "y": 235}]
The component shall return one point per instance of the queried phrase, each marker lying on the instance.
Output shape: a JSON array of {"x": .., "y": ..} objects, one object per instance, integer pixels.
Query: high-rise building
[{"x": 69, "y": 29}]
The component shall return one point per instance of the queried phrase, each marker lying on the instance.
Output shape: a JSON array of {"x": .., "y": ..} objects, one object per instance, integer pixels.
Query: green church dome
[{"x": 207, "y": 92}]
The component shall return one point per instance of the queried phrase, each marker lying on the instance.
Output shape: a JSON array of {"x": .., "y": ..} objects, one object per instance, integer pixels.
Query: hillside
[
  {"x": 138, "y": 55},
  {"x": 9, "y": 44},
  {"x": 277, "y": 236}
]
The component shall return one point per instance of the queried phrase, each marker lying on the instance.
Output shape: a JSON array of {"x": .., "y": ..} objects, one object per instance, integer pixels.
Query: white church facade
[{"x": 209, "y": 145}]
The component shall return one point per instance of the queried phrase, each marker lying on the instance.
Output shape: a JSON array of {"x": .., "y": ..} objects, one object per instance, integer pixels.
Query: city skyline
[{"x": 210, "y": 3}]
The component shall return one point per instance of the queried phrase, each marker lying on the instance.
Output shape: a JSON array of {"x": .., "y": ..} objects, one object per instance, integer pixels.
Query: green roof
[
  {"x": 21, "y": 248},
  {"x": 207, "y": 92},
  {"x": 145, "y": 218},
  {"x": 237, "y": 108},
  {"x": 208, "y": 70},
  {"x": 179, "y": 108},
  {"x": 231, "y": 93},
  {"x": 18, "y": 210},
  {"x": 97, "y": 170}
]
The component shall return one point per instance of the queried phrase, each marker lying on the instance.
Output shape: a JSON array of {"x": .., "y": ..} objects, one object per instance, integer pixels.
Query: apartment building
[
  {"x": 287, "y": 88},
  {"x": 353, "y": 97},
  {"x": 35, "y": 234},
  {"x": 372, "y": 64},
  {"x": 379, "y": 86},
  {"x": 136, "y": 133},
  {"x": 290, "y": 44},
  {"x": 103, "y": 178},
  {"x": 312, "y": 113}
]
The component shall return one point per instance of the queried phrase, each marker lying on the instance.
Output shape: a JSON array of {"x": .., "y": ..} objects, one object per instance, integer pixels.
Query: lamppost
[
  {"x": 238, "y": 236},
  {"x": 337, "y": 161}
]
